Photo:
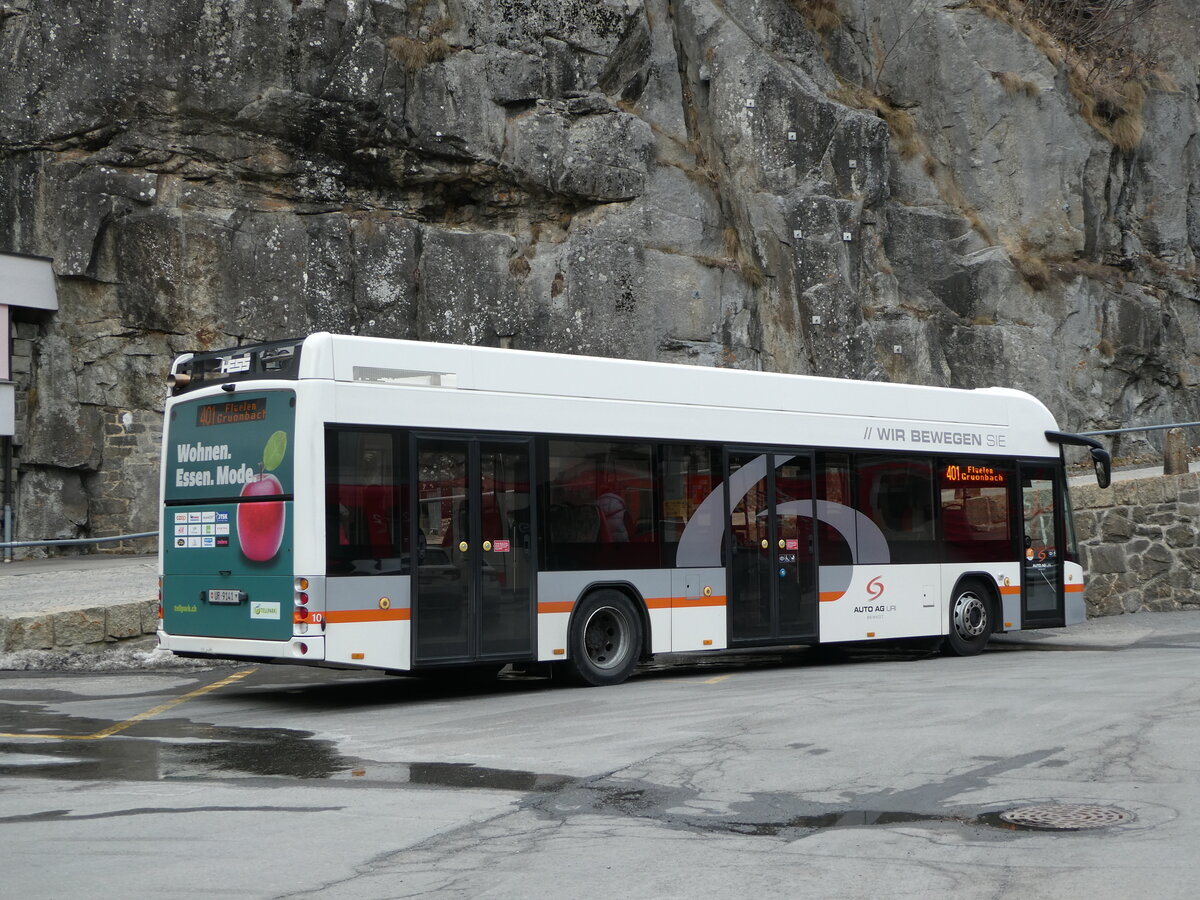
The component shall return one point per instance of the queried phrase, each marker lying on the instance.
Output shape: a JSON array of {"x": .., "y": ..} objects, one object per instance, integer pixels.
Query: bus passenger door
[
  {"x": 1042, "y": 534},
  {"x": 474, "y": 572},
  {"x": 770, "y": 550}
]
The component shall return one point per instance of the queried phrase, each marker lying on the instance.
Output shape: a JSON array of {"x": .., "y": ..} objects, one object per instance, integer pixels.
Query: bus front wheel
[
  {"x": 605, "y": 639},
  {"x": 970, "y": 621}
]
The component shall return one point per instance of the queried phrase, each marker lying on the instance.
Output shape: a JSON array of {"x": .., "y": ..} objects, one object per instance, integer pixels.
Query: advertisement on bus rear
[{"x": 229, "y": 482}]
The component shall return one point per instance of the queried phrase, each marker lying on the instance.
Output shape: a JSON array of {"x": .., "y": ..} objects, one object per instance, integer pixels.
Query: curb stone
[{"x": 90, "y": 625}]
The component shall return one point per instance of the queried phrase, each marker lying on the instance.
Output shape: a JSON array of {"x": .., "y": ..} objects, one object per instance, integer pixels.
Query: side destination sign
[{"x": 231, "y": 448}]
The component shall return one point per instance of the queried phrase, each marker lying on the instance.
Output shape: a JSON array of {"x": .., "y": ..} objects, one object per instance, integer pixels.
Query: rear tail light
[{"x": 300, "y": 614}]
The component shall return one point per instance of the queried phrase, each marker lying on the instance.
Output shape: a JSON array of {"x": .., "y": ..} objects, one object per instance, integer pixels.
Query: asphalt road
[{"x": 870, "y": 775}]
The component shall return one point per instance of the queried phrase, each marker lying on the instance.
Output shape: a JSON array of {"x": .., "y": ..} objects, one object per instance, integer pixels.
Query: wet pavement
[{"x": 800, "y": 774}]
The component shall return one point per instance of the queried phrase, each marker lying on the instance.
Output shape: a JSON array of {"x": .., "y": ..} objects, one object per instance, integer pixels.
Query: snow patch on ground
[{"x": 139, "y": 656}]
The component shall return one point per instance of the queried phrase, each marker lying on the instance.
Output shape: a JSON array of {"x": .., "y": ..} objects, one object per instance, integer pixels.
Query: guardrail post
[{"x": 1175, "y": 461}]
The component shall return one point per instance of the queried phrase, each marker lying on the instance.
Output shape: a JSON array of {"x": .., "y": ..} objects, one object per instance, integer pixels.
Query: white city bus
[{"x": 406, "y": 506}]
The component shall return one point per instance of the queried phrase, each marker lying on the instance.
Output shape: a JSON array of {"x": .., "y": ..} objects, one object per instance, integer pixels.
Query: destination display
[
  {"x": 232, "y": 412},
  {"x": 956, "y": 473}
]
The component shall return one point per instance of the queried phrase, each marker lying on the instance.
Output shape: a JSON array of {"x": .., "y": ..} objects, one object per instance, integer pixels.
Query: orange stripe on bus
[
  {"x": 558, "y": 606},
  {"x": 565, "y": 606},
  {"x": 1073, "y": 588},
  {"x": 1010, "y": 589},
  {"x": 694, "y": 602},
  {"x": 830, "y": 596},
  {"x": 367, "y": 615}
]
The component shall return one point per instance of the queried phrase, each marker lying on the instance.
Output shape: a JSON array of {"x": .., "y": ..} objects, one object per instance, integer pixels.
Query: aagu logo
[{"x": 875, "y": 589}]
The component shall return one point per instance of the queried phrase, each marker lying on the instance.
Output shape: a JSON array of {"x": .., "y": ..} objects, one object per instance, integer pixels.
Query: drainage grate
[{"x": 1066, "y": 816}]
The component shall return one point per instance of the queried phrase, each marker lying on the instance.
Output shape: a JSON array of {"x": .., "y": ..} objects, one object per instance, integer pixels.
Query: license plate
[{"x": 221, "y": 595}]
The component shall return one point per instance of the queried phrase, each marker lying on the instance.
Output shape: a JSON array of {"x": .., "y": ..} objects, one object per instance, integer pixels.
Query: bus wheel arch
[
  {"x": 607, "y": 635},
  {"x": 973, "y": 615}
]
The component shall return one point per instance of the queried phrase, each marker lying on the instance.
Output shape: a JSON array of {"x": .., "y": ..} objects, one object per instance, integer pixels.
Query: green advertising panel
[
  {"x": 238, "y": 606},
  {"x": 254, "y": 538},
  {"x": 237, "y": 446}
]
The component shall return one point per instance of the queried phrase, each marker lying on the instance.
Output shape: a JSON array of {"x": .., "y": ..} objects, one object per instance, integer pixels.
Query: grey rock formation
[{"x": 914, "y": 195}]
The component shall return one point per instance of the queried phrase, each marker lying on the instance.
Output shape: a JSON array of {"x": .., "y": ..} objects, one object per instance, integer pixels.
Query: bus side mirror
[{"x": 1102, "y": 462}]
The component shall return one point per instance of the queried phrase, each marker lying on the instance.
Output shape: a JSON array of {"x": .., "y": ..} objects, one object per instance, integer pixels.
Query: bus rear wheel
[
  {"x": 970, "y": 621},
  {"x": 605, "y": 639}
]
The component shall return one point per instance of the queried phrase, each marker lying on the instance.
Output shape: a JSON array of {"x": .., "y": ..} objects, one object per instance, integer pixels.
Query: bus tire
[
  {"x": 605, "y": 639},
  {"x": 970, "y": 620}
]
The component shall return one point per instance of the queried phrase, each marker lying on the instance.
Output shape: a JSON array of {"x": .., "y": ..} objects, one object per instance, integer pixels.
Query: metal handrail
[
  {"x": 66, "y": 542},
  {"x": 1142, "y": 428}
]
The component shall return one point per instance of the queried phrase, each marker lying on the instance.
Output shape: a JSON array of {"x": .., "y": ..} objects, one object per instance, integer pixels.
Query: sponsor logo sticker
[{"x": 264, "y": 610}]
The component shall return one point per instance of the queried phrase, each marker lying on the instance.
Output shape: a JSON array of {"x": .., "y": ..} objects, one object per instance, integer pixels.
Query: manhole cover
[{"x": 1067, "y": 816}]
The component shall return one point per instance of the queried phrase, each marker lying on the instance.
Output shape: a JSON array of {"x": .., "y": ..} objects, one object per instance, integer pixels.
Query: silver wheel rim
[
  {"x": 606, "y": 638},
  {"x": 970, "y": 615}
]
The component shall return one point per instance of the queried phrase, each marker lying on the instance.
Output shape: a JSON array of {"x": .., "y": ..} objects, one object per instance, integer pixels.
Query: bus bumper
[{"x": 301, "y": 648}]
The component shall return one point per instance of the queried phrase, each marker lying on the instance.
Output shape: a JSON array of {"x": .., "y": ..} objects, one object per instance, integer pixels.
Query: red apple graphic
[{"x": 260, "y": 523}]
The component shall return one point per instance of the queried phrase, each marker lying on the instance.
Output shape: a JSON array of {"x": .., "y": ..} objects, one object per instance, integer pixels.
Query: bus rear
[{"x": 228, "y": 507}]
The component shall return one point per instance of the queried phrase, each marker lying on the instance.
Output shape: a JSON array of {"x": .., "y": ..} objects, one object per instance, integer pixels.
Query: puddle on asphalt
[
  {"x": 782, "y": 815},
  {"x": 179, "y": 749},
  {"x": 465, "y": 775},
  {"x": 854, "y": 818},
  {"x": 176, "y": 749},
  {"x": 186, "y": 751}
]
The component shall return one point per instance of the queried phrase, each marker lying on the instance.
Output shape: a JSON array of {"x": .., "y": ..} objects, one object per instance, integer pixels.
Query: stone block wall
[
  {"x": 68, "y": 628},
  {"x": 1140, "y": 545}
]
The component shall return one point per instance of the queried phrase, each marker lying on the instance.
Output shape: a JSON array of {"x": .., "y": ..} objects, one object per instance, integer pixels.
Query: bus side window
[
  {"x": 975, "y": 510},
  {"x": 896, "y": 493},
  {"x": 366, "y": 531},
  {"x": 691, "y": 475},
  {"x": 600, "y": 503},
  {"x": 834, "y": 485}
]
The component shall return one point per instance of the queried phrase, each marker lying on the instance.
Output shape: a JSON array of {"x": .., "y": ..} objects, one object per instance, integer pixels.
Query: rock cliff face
[{"x": 922, "y": 192}]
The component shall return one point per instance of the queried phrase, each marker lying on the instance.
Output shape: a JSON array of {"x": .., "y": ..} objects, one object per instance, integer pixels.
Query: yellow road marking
[
  {"x": 690, "y": 681},
  {"x": 140, "y": 717}
]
